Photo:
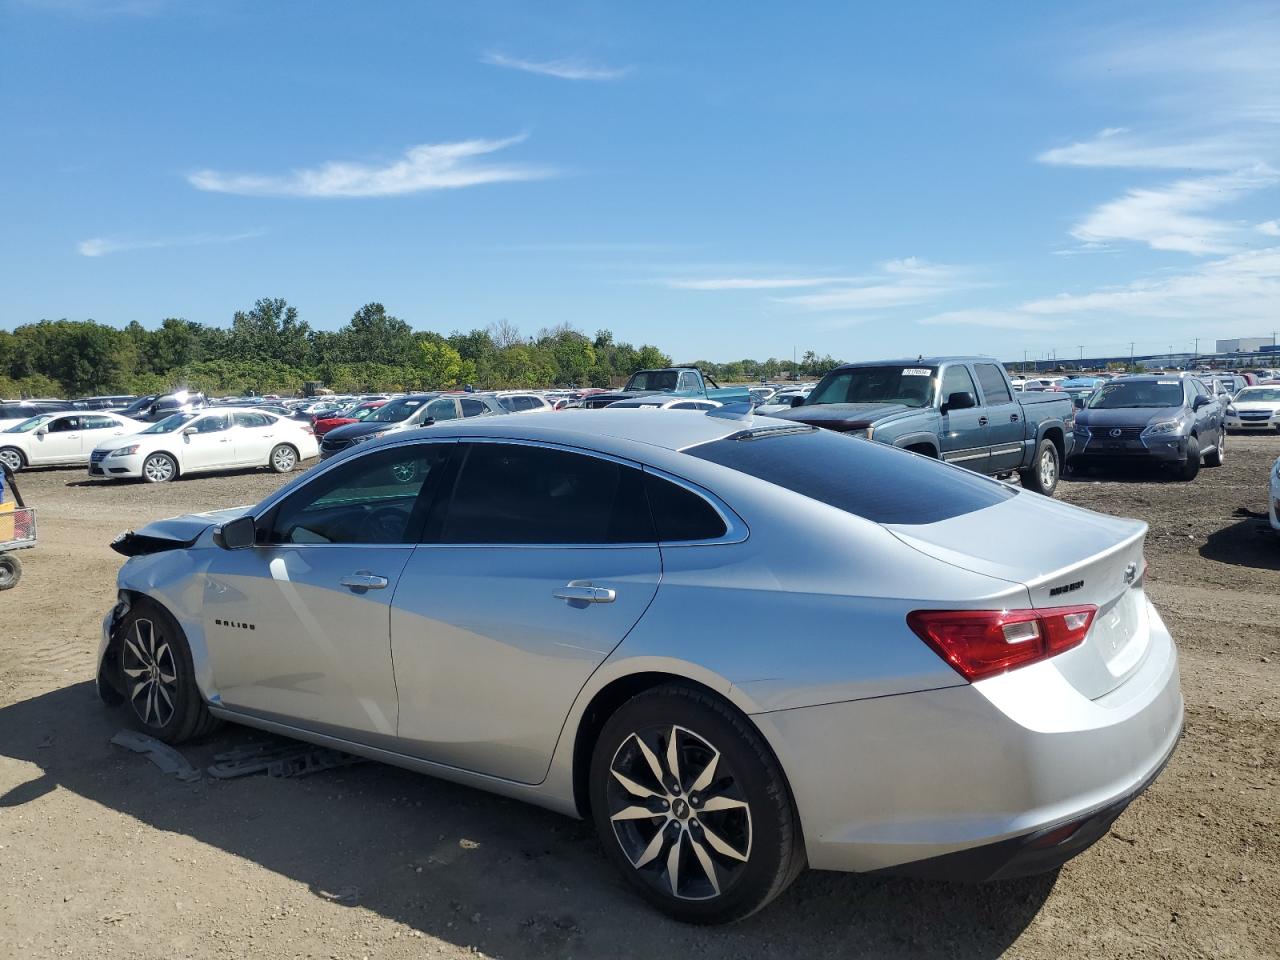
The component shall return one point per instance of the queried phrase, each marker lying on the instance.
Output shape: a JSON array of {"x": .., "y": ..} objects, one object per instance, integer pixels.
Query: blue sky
[{"x": 721, "y": 180}]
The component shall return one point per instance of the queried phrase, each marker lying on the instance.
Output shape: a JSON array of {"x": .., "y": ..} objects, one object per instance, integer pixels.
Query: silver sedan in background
[{"x": 738, "y": 645}]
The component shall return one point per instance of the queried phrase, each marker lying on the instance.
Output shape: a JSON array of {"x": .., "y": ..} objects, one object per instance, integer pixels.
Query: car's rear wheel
[
  {"x": 283, "y": 458},
  {"x": 12, "y": 458},
  {"x": 1190, "y": 466},
  {"x": 692, "y": 807},
  {"x": 10, "y": 571},
  {"x": 159, "y": 468},
  {"x": 1044, "y": 472},
  {"x": 1215, "y": 459},
  {"x": 157, "y": 676}
]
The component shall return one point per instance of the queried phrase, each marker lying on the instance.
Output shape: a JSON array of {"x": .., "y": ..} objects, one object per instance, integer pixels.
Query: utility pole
[
  {"x": 1131, "y": 353},
  {"x": 1024, "y": 363},
  {"x": 1197, "y": 348}
]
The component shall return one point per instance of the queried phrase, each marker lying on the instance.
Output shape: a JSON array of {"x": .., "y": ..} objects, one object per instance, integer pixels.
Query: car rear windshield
[
  {"x": 1138, "y": 393},
  {"x": 653, "y": 380},
  {"x": 867, "y": 479},
  {"x": 898, "y": 383}
]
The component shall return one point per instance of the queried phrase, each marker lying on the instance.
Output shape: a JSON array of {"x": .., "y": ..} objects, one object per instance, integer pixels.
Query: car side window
[
  {"x": 957, "y": 379},
  {"x": 994, "y": 388},
  {"x": 687, "y": 382},
  {"x": 100, "y": 423},
  {"x": 213, "y": 424},
  {"x": 442, "y": 409},
  {"x": 472, "y": 408},
  {"x": 251, "y": 420},
  {"x": 680, "y": 514},
  {"x": 524, "y": 494},
  {"x": 65, "y": 424},
  {"x": 373, "y": 499}
]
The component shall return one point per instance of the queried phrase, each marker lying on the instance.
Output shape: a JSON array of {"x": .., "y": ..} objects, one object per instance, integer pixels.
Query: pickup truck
[
  {"x": 958, "y": 409},
  {"x": 669, "y": 381}
]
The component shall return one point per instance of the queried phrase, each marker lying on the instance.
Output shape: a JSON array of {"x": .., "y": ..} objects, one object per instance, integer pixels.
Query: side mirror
[
  {"x": 41, "y": 431},
  {"x": 1079, "y": 402},
  {"x": 236, "y": 534},
  {"x": 190, "y": 432},
  {"x": 797, "y": 401},
  {"x": 960, "y": 401},
  {"x": 1199, "y": 402}
]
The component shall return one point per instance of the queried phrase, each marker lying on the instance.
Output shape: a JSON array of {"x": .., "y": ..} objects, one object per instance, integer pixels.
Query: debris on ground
[
  {"x": 278, "y": 758},
  {"x": 162, "y": 755}
]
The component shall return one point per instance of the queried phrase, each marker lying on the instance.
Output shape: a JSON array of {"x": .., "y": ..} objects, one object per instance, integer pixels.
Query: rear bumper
[{"x": 910, "y": 782}]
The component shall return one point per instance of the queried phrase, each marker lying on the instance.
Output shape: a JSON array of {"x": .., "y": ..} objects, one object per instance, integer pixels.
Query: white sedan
[
  {"x": 202, "y": 441},
  {"x": 61, "y": 439},
  {"x": 1255, "y": 408}
]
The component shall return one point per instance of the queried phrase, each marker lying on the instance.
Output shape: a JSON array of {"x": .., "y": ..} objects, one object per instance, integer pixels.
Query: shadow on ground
[
  {"x": 434, "y": 856},
  {"x": 1250, "y": 542}
]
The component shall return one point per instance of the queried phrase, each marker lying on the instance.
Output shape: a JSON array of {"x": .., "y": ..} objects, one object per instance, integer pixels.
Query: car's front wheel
[
  {"x": 692, "y": 807},
  {"x": 12, "y": 458},
  {"x": 157, "y": 676},
  {"x": 159, "y": 468},
  {"x": 1216, "y": 458}
]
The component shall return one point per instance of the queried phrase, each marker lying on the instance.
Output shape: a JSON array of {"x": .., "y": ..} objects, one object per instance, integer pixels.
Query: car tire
[
  {"x": 1215, "y": 459},
  {"x": 157, "y": 677},
  {"x": 1190, "y": 467},
  {"x": 13, "y": 458},
  {"x": 727, "y": 863},
  {"x": 1045, "y": 470},
  {"x": 159, "y": 468},
  {"x": 10, "y": 571},
  {"x": 283, "y": 459}
]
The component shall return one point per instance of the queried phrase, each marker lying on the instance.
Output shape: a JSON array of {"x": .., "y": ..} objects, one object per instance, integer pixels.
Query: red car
[{"x": 351, "y": 416}]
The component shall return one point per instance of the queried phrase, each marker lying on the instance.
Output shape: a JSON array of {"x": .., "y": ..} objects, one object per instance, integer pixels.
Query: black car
[{"x": 1175, "y": 421}]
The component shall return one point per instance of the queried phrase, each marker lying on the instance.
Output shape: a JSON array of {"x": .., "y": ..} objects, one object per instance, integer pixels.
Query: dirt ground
[{"x": 103, "y": 856}]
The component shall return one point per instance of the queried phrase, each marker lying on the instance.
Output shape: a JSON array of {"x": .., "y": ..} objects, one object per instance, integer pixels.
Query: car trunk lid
[{"x": 1065, "y": 557}]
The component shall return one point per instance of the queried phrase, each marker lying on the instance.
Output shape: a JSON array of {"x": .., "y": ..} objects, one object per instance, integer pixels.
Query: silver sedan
[{"x": 739, "y": 645}]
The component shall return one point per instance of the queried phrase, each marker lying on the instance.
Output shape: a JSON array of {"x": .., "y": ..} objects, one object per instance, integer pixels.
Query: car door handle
[
  {"x": 983, "y": 421},
  {"x": 1013, "y": 418},
  {"x": 580, "y": 591},
  {"x": 364, "y": 580}
]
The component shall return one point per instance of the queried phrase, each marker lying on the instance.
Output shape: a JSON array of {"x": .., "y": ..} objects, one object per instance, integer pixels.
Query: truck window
[
  {"x": 911, "y": 386},
  {"x": 653, "y": 380},
  {"x": 994, "y": 388},
  {"x": 957, "y": 379}
]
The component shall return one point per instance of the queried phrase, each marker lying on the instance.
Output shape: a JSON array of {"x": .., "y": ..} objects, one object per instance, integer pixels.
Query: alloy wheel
[
  {"x": 152, "y": 674},
  {"x": 1048, "y": 470},
  {"x": 283, "y": 459},
  {"x": 11, "y": 459},
  {"x": 158, "y": 469},
  {"x": 678, "y": 812}
]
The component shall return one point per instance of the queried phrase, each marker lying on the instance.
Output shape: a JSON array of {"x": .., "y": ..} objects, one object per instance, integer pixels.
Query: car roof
[{"x": 609, "y": 430}]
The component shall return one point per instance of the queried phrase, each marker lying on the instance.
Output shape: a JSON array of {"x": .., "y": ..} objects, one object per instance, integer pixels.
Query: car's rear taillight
[{"x": 983, "y": 643}]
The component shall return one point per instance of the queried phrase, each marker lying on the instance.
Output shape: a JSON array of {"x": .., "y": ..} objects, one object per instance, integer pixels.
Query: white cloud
[
  {"x": 1271, "y": 228},
  {"x": 428, "y": 166},
  {"x": 752, "y": 283},
  {"x": 900, "y": 283},
  {"x": 1240, "y": 290},
  {"x": 566, "y": 69},
  {"x": 1118, "y": 147},
  {"x": 101, "y": 246},
  {"x": 1169, "y": 217}
]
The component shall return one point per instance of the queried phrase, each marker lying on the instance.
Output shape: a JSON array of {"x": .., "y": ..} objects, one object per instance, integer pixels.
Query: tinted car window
[
  {"x": 472, "y": 408},
  {"x": 866, "y": 479},
  {"x": 65, "y": 424},
  {"x": 442, "y": 409},
  {"x": 508, "y": 404},
  {"x": 213, "y": 424},
  {"x": 956, "y": 379},
  {"x": 370, "y": 499},
  {"x": 680, "y": 514},
  {"x": 994, "y": 389},
  {"x": 99, "y": 423},
  {"x": 251, "y": 420},
  {"x": 518, "y": 494}
]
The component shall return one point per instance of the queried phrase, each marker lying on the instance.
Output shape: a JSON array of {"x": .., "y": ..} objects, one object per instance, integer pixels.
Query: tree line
[{"x": 269, "y": 349}]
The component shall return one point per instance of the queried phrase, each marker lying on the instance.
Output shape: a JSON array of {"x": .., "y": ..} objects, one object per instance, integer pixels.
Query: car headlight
[
  {"x": 371, "y": 436},
  {"x": 1165, "y": 428},
  {"x": 1231, "y": 411},
  {"x": 124, "y": 451}
]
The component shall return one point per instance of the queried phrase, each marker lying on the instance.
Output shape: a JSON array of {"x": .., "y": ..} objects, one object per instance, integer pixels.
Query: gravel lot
[{"x": 103, "y": 856}]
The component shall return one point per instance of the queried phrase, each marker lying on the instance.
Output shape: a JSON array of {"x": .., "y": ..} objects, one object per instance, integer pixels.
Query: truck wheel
[
  {"x": 1190, "y": 467},
  {"x": 1044, "y": 472}
]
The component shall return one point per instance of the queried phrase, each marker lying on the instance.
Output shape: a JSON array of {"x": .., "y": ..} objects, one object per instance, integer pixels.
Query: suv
[
  {"x": 405, "y": 413},
  {"x": 1167, "y": 419}
]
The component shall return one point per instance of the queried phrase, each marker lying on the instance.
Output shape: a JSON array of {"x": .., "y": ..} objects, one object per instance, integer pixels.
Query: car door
[
  {"x": 531, "y": 572},
  {"x": 61, "y": 440},
  {"x": 1208, "y": 412},
  {"x": 962, "y": 435},
  {"x": 298, "y": 627},
  {"x": 1005, "y": 429},
  {"x": 97, "y": 428},
  {"x": 253, "y": 436},
  {"x": 207, "y": 443}
]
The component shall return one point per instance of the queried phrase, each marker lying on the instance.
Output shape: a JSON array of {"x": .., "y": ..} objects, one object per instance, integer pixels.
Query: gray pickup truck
[{"x": 959, "y": 409}]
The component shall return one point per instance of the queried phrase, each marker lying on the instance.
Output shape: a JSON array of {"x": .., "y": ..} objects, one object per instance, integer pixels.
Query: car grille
[
  {"x": 97, "y": 457},
  {"x": 333, "y": 444},
  {"x": 1110, "y": 433},
  {"x": 1254, "y": 415}
]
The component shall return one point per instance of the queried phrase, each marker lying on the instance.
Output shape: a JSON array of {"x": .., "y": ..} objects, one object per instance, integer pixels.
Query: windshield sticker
[
  {"x": 917, "y": 372},
  {"x": 1167, "y": 383}
]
